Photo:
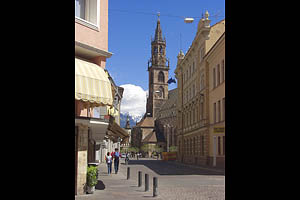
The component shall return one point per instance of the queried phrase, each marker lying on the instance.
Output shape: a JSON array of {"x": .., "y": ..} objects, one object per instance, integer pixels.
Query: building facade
[
  {"x": 97, "y": 98},
  {"x": 166, "y": 121},
  {"x": 193, "y": 112},
  {"x": 215, "y": 61}
]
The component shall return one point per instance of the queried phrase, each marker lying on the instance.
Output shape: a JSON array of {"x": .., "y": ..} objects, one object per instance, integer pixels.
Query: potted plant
[{"x": 91, "y": 179}]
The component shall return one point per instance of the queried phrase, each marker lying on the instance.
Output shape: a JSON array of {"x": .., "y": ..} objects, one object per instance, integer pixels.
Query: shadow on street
[{"x": 168, "y": 168}]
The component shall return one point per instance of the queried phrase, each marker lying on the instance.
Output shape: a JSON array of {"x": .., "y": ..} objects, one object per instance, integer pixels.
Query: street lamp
[{"x": 188, "y": 20}]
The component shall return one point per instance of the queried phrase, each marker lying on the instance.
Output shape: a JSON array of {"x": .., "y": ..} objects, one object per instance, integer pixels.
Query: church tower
[{"x": 158, "y": 73}]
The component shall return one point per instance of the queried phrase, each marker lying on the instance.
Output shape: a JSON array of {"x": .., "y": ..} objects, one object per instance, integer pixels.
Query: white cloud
[{"x": 134, "y": 100}]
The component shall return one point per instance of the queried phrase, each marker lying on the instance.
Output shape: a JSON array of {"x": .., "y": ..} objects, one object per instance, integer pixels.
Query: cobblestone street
[{"x": 175, "y": 182}]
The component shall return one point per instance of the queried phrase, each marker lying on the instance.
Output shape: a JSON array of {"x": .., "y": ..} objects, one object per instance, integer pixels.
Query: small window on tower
[{"x": 161, "y": 77}]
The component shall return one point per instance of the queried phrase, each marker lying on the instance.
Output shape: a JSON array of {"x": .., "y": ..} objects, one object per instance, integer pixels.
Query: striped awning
[{"x": 92, "y": 84}]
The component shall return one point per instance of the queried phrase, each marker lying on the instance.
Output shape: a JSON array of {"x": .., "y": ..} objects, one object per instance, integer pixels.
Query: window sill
[{"x": 86, "y": 23}]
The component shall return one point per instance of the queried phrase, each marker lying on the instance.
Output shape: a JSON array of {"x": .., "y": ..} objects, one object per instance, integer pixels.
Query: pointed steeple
[
  {"x": 127, "y": 126},
  {"x": 158, "y": 32}
]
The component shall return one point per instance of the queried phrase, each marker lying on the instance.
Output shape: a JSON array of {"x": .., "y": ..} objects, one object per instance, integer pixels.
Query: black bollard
[
  {"x": 128, "y": 173},
  {"x": 146, "y": 182},
  {"x": 154, "y": 186},
  {"x": 140, "y": 179}
]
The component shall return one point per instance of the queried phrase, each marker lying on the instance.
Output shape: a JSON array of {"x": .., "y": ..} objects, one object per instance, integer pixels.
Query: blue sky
[{"x": 130, "y": 29}]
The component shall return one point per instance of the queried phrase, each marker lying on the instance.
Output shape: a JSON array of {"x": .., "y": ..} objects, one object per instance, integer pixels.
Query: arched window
[{"x": 161, "y": 77}]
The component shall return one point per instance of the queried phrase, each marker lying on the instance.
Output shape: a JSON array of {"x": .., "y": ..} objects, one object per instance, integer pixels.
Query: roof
[
  {"x": 150, "y": 138},
  {"x": 169, "y": 106},
  {"x": 146, "y": 122}
]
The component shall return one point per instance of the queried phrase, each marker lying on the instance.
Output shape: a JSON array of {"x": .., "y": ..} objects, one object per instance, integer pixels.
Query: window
[
  {"x": 193, "y": 90},
  {"x": 219, "y": 145},
  {"x": 224, "y": 145},
  {"x": 218, "y": 74},
  {"x": 202, "y": 145},
  {"x": 219, "y": 111},
  {"x": 215, "y": 114},
  {"x": 223, "y": 70},
  {"x": 202, "y": 82},
  {"x": 87, "y": 10},
  {"x": 187, "y": 95},
  {"x": 190, "y": 71},
  {"x": 80, "y": 8},
  {"x": 161, "y": 77},
  {"x": 201, "y": 54},
  {"x": 214, "y": 77},
  {"x": 193, "y": 66},
  {"x": 197, "y": 119},
  {"x": 223, "y": 110},
  {"x": 193, "y": 116},
  {"x": 194, "y": 145},
  {"x": 201, "y": 110}
]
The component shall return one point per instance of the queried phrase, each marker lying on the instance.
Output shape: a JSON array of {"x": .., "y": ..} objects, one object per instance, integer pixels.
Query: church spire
[
  {"x": 158, "y": 32},
  {"x": 127, "y": 126}
]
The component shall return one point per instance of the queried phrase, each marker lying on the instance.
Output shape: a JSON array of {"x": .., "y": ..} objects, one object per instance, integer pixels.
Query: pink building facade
[{"x": 91, "y": 52}]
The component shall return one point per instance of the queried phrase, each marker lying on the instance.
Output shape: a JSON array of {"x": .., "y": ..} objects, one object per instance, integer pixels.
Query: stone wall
[{"x": 82, "y": 152}]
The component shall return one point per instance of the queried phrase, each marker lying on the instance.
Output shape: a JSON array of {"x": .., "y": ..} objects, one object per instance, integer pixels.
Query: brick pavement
[{"x": 175, "y": 181}]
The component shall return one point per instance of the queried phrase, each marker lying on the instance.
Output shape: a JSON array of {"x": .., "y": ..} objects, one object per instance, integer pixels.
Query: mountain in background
[{"x": 132, "y": 120}]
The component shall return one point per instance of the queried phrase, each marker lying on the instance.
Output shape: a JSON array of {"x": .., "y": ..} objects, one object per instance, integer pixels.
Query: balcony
[{"x": 97, "y": 119}]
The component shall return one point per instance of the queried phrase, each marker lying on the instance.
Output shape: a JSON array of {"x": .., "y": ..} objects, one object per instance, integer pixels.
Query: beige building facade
[
  {"x": 193, "y": 111},
  {"x": 215, "y": 61}
]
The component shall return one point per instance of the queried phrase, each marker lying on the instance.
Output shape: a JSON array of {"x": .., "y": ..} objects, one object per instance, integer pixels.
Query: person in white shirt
[{"x": 108, "y": 159}]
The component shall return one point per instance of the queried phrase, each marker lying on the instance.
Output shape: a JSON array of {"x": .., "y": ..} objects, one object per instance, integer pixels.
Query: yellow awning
[{"x": 92, "y": 83}]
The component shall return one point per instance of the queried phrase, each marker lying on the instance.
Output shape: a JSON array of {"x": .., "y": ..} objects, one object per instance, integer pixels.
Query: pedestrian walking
[
  {"x": 116, "y": 156},
  {"x": 108, "y": 159},
  {"x": 127, "y": 158}
]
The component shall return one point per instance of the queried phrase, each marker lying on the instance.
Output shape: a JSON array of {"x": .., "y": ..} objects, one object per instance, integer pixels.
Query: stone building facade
[
  {"x": 193, "y": 131},
  {"x": 166, "y": 121}
]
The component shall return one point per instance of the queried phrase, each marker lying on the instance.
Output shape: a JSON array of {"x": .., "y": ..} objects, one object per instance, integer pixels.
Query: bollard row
[{"x": 155, "y": 181}]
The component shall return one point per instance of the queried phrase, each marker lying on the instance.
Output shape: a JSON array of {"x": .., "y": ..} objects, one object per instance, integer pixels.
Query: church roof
[
  {"x": 150, "y": 138},
  {"x": 146, "y": 122},
  {"x": 168, "y": 108}
]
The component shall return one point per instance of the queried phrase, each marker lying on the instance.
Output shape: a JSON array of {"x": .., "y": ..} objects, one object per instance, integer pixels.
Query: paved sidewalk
[
  {"x": 176, "y": 181},
  {"x": 117, "y": 187}
]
